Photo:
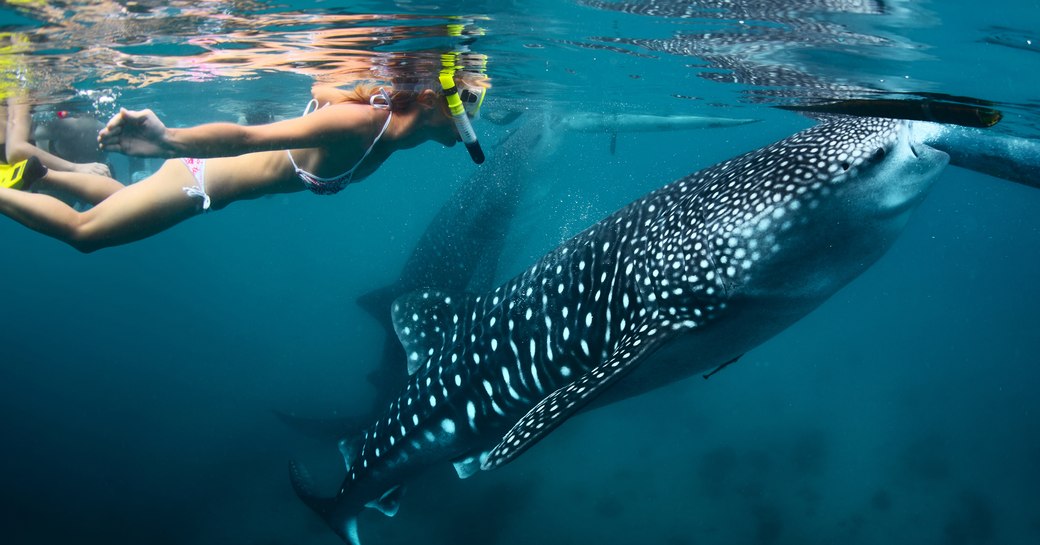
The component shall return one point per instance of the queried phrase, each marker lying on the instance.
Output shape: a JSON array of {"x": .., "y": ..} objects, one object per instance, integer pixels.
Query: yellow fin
[{"x": 11, "y": 175}]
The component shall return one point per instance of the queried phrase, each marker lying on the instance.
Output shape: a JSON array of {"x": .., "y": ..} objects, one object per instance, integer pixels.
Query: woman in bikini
[{"x": 343, "y": 137}]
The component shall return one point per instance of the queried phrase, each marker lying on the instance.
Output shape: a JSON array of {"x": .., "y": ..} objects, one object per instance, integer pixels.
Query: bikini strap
[
  {"x": 380, "y": 101},
  {"x": 350, "y": 173},
  {"x": 312, "y": 106},
  {"x": 389, "y": 116}
]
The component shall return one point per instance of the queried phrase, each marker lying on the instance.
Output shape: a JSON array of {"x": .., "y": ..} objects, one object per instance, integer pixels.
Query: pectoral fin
[
  {"x": 560, "y": 405},
  {"x": 389, "y": 503},
  {"x": 467, "y": 466}
]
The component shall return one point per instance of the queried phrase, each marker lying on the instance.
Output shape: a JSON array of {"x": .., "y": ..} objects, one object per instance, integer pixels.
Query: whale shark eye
[{"x": 845, "y": 165}]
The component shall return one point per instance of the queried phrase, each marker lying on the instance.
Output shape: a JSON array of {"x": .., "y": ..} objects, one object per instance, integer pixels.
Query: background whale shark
[{"x": 681, "y": 282}]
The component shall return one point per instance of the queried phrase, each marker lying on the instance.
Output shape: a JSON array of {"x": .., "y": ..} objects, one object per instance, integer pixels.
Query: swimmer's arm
[
  {"x": 18, "y": 147},
  {"x": 142, "y": 133}
]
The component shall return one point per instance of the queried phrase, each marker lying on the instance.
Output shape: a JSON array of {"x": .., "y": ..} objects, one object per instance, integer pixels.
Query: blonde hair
[{"x": 403, "y": 98}]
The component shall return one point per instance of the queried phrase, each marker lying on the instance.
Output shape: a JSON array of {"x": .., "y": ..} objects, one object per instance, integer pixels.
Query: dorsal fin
[
  {"x": 349, "y": 450},
  {"x": 377, "y": 302},
  {"x": 427, "y": 323}
]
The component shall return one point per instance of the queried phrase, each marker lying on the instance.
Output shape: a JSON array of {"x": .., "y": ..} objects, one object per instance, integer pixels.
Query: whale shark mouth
[{"x": 918, "y": 137}]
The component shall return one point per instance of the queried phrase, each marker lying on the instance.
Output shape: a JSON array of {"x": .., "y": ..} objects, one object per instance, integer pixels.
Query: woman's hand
[
  {"x": 137, "y": 133},
  {"x": 99, "y": 169}
]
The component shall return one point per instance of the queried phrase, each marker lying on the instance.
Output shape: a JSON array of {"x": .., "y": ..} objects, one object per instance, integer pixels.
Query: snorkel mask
[
  {"x": 472, "y": 100},
  {"x": 462, "y": 106}
]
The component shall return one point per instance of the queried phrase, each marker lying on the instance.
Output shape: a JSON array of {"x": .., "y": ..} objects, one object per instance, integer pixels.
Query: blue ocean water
[{"x": 139, "y": 385}]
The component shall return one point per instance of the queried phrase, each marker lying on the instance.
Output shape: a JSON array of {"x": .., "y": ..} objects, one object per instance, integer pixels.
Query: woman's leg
[
  {"x": 132, "y": 213},
  {"x": 88, "y": 188}
]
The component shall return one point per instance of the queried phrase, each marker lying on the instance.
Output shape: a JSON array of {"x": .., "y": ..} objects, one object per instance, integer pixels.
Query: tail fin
[{"x": 344, "y": 524}]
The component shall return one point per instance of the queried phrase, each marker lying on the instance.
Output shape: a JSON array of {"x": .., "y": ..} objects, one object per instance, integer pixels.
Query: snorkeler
[
  {"x": 66, "y": 142},
  {"x": 343, "y": 137},
  {"x": 68, "y": 147}
]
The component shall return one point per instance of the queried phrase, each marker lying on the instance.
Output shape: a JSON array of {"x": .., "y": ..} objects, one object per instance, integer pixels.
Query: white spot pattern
[{"x": 665, "y": 263}]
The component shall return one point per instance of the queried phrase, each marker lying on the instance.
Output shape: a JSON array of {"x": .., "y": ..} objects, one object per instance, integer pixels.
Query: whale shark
[
  {"x": 680, "y": 282},
  {"x": 459, "y": 249}
]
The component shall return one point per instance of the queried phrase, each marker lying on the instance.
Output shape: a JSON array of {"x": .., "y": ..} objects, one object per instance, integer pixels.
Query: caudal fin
[{"x": 344, "y": 524}]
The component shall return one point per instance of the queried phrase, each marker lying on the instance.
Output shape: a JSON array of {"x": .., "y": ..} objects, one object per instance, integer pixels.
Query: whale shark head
[
  {"x": 802, "y": 217},
  {"x": 880, "y": 166}
]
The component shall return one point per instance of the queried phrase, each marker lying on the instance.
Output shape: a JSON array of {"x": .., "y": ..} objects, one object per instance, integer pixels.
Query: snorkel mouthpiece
[{"x": 459, "y": 117}]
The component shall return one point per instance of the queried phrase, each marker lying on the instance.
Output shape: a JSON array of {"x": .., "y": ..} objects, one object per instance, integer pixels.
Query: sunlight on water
[{"x": 608, "y": 52}]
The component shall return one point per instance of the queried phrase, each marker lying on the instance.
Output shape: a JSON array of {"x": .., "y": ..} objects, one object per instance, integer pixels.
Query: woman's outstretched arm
[{"x": 141, "y": 133}]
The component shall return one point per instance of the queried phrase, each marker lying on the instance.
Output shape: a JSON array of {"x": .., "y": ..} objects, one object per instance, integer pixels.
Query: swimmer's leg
[
  {"x": 132, "y": 213},
  {"x": 88, "y": 188}
]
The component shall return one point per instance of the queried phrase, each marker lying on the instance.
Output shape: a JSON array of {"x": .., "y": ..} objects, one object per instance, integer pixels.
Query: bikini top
[{"x": 330, "y": 186}]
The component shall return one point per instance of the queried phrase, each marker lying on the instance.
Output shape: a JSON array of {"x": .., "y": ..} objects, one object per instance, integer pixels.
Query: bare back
[
  {"x": 253, "y": 175},
  {"x": 249, "y": 176}
]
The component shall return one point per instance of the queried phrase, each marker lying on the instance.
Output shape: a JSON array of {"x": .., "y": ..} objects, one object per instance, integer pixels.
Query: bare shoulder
[
  {"x": 333, "y": 124},
  {"x": 346, "y": 119}
]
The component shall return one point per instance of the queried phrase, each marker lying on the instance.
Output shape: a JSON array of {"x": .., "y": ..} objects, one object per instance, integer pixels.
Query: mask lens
[{"x": 471, "y": 101}]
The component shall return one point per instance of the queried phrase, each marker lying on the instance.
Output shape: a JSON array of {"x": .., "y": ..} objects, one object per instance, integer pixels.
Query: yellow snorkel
[{"x": 458, "y": 110}]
